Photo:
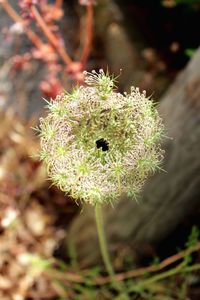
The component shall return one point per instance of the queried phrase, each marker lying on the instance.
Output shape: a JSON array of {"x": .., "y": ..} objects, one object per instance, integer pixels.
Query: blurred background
[{"x": 48, "y": 243}]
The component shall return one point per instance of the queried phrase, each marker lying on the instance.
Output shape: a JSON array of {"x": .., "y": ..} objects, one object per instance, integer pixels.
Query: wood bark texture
[
  {"x": 124, "y": 49},
  {"x": 168, "y": 196}
]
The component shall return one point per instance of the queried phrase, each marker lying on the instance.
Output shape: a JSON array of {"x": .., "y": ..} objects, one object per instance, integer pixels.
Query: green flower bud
[{"x": 98, "y": 143}]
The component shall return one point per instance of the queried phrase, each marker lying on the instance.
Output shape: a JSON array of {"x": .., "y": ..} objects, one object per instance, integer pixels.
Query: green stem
[
  {"x": 104, "y": 252},
  {"x": 102, "y": 241}
]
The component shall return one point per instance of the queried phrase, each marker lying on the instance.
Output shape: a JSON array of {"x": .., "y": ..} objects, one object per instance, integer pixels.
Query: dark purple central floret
[{"x": 102, "y": 143}]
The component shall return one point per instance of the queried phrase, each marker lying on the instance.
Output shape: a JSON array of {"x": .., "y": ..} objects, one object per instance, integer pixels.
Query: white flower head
[{"x": 98, "y": 143}]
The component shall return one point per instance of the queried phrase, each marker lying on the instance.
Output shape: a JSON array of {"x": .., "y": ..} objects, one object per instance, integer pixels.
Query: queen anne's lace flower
[{"x": 97, "y": 143}]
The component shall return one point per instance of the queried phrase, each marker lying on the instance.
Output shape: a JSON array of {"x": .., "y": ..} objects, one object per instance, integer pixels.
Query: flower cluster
[{"x": 98, "y": 143}]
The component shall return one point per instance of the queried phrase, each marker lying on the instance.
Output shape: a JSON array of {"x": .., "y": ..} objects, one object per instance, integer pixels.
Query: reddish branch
[
  {"x": 73, "y": 277},
  {"x": 155, "y": 268},
  {"x": 14, "y": 15},
  {"x": 58, "y": 3},
  {"x": 89, "y": 35},
  {"x": 51, "y": 37}
]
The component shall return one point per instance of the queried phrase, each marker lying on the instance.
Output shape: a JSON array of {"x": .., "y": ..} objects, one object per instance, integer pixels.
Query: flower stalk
[
  {"x": 102, "y": 241},
  {"x": 104, "y": 251}
]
